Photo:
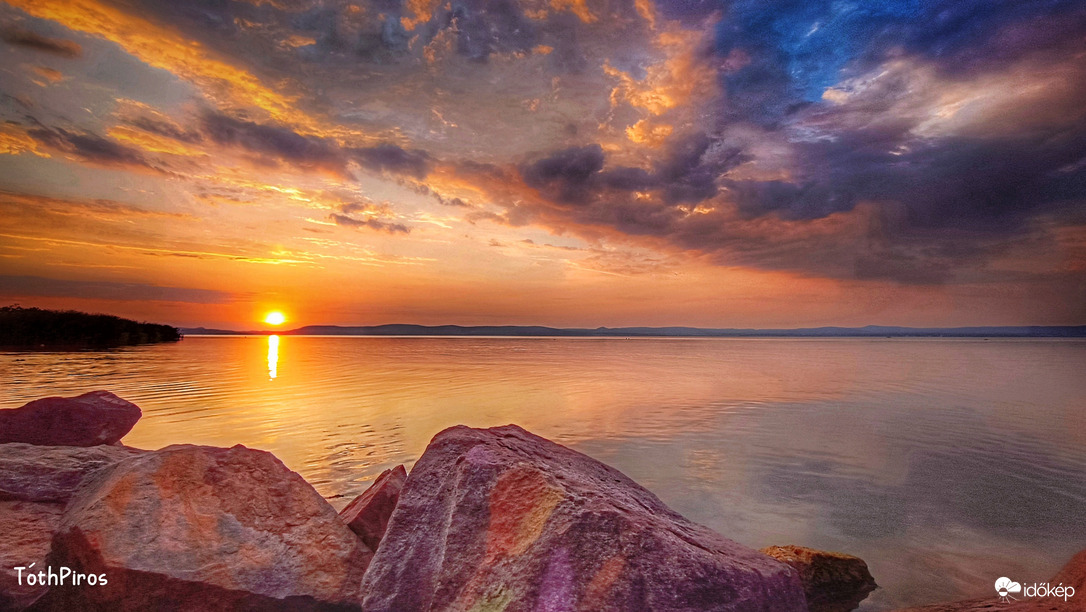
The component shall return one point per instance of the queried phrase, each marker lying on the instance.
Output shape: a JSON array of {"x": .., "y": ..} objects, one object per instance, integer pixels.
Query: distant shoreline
[{"x": 516, "y": 331}]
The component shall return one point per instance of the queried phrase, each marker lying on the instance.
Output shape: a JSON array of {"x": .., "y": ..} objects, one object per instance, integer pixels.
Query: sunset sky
[{"x": 746, "y": 163}]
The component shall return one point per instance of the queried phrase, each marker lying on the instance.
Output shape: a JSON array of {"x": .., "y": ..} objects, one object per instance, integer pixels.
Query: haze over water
[{"x": 944, "y": 463}]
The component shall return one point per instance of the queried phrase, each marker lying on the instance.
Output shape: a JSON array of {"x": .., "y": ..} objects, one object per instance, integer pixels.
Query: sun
[{"x": 275, "y": 318}]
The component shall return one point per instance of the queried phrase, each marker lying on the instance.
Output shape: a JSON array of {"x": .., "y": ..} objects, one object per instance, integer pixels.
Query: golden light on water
[
  {"x": 275, "y": 318},
  {"x": 273, "y": 357}
]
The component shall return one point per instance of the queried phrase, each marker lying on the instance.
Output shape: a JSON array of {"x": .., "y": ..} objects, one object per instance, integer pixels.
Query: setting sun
[{"x": 275, "y": 318}]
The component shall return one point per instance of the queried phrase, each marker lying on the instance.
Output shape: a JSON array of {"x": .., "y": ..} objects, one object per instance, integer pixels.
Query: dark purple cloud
[
  {"x": 687, "y": 172},
  {"x": 393, "y": 159},
  {"x": 568, "y": 176},
  {"x": 271, "y": 140},
  {"x": 91, "y": 147},
  {"x": 371, "y": 223},
  {"x": 283, "y": 143},
  {"x": 165, "y": 128},
  {"x": 32, "y": 40}
]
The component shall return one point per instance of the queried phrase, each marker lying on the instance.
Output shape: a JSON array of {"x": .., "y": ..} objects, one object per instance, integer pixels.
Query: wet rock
[
  {"x": 368, "y": 514},
  {"x": 833, "y": 582},
  {"x": 52, "y": 473},
  {"x": 94, "y": 418},
  {"x": 202, "y": 528},
  {"x": 26, "y": 530},
  {"x": 500, "y": 519}
]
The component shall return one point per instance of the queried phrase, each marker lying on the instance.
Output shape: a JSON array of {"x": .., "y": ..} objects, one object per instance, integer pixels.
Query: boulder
[
  {"x": 833, "y": 582},
  {"x": 1073, "y": 574},
  {"x": 500, "y": 519},
  {"x": 208, "y": 529},
  {"x": 52, "y": 473},
  {"x": 26, "y": 530},
  {"x": 368, "y": 514},
  {"x": 94, "y": 418}
]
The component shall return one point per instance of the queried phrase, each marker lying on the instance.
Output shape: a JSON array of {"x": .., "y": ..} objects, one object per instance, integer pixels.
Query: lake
[{"x": 944, "y": 463}]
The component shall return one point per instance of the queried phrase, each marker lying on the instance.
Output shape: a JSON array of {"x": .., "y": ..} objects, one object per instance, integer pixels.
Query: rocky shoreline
[{"x": 487, "y": 520}]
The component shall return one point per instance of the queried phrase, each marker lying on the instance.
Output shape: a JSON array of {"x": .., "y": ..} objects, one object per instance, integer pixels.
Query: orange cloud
[
  {"x": 648, "y": 133},
  {"x": 421, "y": 12},
  {"x": 577, "y": 7},
  {"x": 152, "y": 142},
  {"x": 670, "y": 83},
  {"x": 164, "y": 48},
  {"x": 15, "y": 141}
]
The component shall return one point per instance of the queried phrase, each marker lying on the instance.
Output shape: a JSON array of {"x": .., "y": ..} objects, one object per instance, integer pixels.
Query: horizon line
[{"x": 455, "y": 330}]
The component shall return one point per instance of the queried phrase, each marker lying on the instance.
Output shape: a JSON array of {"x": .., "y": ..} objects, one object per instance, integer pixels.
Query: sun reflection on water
[{"x": 273, "y": 357}]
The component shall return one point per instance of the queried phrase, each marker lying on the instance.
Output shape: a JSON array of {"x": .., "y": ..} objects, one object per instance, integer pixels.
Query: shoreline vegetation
[
  {"x": 487, "y": 520},
  {"x": 22, "y": 328}
]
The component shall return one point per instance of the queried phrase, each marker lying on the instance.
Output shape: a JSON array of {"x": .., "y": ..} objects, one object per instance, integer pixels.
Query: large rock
[
  {"x": 52, "y": 473},
  {"x": 94, "y": 418},
  {"x": 368, "y": 514},
  {"x": 1073, "y": 574},
  {"x": 26, "y": 530},
  {"x": 503, "y": 520},
  {"x": 208, "y": 529},
  {"x": 833, "y": 582}
]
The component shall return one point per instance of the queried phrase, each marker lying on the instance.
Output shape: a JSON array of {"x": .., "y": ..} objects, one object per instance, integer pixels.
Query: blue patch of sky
[{"x": 814, "y": 42}]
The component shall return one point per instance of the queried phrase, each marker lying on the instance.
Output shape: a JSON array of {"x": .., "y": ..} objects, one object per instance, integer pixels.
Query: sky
[{"x": 742, "y": 163}]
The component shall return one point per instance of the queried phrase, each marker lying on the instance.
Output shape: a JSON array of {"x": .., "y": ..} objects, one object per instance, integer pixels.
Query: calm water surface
[{"x": 943, "y": 463}]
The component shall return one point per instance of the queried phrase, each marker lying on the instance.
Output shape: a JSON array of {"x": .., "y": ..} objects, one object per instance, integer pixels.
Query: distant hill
[
  {"x": 870, "y": 331},
  {"x": 36, "y": 328}
]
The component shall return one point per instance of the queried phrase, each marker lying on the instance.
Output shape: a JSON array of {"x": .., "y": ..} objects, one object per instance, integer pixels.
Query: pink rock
[
  {"x": 500, "y": 519},
  {"x": 1073, "y": 574},
  {"x": 94, "y": 418},
  {"x": 368, "y": 514},
  {"x": 207, "y": 529},
  {"x": 26, "y": 530},
  {"x": 52, "y": 473}
]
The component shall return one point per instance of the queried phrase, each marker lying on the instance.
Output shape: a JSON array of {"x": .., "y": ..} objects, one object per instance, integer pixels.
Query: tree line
[{"x": 35, "y": 327}]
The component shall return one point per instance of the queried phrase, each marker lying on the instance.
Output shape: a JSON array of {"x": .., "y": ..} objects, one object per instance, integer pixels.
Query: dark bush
[{"x": 34, "y": 327}]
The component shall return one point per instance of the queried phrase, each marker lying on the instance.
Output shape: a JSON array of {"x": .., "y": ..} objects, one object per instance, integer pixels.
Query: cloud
[
  {"x": 905, "y": 141},
  {"x": 16, "y": 205},
  {"x": 88, "y": 146},
  {"x": 392, "y": 158},
  {"x": 567, "y": 175},
  {"x": 32, "y": 40},
  {"x": 272, "y": 140},
  {"x": 283, "y": 143},
  {"x": 163, "y": 127},
  {"x": 797, "y": 48},
  {"x": 347, "y": 221},
  {"x": 37, "y": 286},
  {"x": 455, "y": 202}
]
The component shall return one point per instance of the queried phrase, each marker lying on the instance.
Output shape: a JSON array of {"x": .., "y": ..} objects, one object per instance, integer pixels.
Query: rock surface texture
[
  {"x": 1073, "y": 574},
  {"x": 26, "y": 530},
  {"x": 368, "y": 514},
  {"x": 209, "y": 529},
  {"x": 52, "y": 473},
  {"x": 503, "y": 520},
  {"x": 833, "y": 582},
  {"x": 94, "y": 418}
]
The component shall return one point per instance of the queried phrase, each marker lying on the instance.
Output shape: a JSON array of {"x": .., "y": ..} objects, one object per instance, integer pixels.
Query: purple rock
[
  {"x": 500, "y": 519},
  {"x": 94, "y": 418},
  {"x": 368, "y": 514}
]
